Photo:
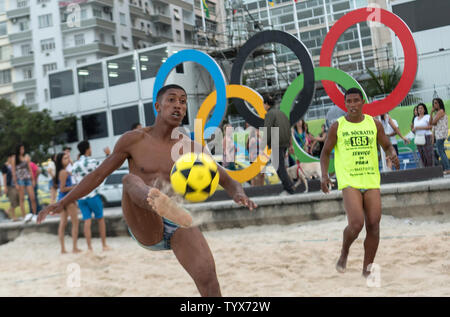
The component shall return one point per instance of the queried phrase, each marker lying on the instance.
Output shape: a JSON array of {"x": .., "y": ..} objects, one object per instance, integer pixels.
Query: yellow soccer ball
[{"x": 194, "y": 176}]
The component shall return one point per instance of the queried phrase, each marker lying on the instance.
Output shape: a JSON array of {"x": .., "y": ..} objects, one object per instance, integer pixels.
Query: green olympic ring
[{"x": 320, "y": 73}]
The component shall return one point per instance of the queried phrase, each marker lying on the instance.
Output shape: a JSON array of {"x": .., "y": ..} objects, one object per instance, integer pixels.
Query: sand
[{"x": 270, "y": 260}]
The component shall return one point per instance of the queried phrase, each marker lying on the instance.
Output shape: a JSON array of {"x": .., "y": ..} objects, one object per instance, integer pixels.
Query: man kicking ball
[
  {"x": 155, "y": 221},
  {"x": 355, "y": 137}
]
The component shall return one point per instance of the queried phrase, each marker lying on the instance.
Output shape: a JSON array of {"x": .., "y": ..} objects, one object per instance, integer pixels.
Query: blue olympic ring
[{"x": 214, "y": 70}]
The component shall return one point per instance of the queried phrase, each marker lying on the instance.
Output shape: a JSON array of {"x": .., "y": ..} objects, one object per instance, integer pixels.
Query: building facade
[
  {"x": 111, "y": 94},
  {"x": 363, "y": 46},
  {"x": 430, "y": 26},
  {"x": 40, "y": 36}
]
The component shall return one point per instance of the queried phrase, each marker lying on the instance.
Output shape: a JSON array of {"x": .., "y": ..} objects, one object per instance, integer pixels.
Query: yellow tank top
[{"x": 356, "y": 154}]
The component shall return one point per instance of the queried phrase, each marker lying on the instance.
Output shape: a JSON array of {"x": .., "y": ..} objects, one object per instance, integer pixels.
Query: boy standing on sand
[{"x": 355, "y": 137}]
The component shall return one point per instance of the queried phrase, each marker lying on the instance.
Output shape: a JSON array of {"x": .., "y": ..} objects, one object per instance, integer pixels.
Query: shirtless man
[
  {"x": 155, "y": 221},
  {"x": 355, "y": 137}
]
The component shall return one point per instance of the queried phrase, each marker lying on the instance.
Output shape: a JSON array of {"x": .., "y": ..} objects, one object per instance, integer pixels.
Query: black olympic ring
[{"x": 303, "y": 99}]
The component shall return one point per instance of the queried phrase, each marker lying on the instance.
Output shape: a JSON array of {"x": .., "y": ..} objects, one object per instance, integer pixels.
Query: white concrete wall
[{"x": 433, "y": 48}]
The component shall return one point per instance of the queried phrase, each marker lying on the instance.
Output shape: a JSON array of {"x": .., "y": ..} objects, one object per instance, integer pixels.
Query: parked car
[{"x": 110, "y": 190}]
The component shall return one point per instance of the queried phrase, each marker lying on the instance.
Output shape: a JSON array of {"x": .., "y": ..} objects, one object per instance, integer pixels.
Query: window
[
  {"x": 123, "y": 119},
  {"x": 178, "y": 35},
  {"x": 22, "y": 3},
  {"x": 3, "y": 30},
  {"x": 27, "y": 73},
  {"x": 90, "y": 77},
  {"x": 102, "y": 38},
  {"x": 49, "y": 67},
  {"x": 5, "y": 52},
  {"x": 94, "y": 126},
  {"x": 123, "y": 19},
  {"x": 151, "y": 61},
  {"x": 121, "y": 71},
  {"x": 125, "y": 43},
  {"x": 79, "y": 39},
  {"x": 70, "y": 135},
  {"x": 176, "y": 14},
  {"x": 179, "y": 69},
  {"x": 47, "y": 45},
  {"x": 5, "y": 76},
  {"x": 45, "y": 21},
  {"x": 29, "y": 98},
  {"x": 149, "y": 114},
  {"x": 25, "y": 49},
  {"x": 83, "y": 15},
  {"x": 61, "y": 84},
  {"x": 81, "y": 61},
  {"x": 97, "y": 12},
  {"x": 23, "y": 25},
  {"x": 113, "y": 38}
]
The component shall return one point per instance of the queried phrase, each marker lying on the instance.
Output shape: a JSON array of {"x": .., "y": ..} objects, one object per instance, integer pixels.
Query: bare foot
[
  {"x": 341, "y": 264},
  {"x": 63, "y": 251},
  {"x": 106, "y": 248},
  {"x": 167, "y": 208},
  {"x": 76, "y": 250}
]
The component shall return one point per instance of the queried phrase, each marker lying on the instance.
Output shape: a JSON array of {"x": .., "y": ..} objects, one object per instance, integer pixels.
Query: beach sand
[{"x": 271, "y": 260}]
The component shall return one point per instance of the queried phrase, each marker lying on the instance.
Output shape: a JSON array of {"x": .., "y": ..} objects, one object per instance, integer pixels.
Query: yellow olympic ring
[{"x": 255, "y": 99}]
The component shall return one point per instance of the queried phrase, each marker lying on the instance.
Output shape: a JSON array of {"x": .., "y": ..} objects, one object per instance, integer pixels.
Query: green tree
[
  {"x": 37, "y": 131},
  {"x": 382, "y": 84}
]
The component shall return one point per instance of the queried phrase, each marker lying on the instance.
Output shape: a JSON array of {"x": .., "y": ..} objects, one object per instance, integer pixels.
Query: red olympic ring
[{"x": 409, "y": 48}]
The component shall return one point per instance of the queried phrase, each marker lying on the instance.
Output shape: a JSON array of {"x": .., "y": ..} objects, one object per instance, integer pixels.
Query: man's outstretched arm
[{"x": 93, "y": 179}]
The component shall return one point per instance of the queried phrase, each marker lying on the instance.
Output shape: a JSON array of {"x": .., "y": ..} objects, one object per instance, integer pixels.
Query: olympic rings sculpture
[{"x": 299, "y": 94}]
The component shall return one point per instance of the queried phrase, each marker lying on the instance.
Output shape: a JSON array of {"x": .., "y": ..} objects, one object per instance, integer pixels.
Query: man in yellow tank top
[{"x": 355, "y": 138}]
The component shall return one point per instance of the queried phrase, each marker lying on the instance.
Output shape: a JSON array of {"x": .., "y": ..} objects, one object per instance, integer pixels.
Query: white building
[
  {"x": 47, "y": 35},
  {"x": 111, "y": 94},
  {"x": 430, "y": 25}
]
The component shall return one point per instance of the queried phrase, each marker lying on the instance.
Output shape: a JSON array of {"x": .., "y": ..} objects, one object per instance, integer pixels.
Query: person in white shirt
[
  {"x": 391, "y": 129},
  {"x": 422, "y": 127},
  {"x": 91, "y": 203}
]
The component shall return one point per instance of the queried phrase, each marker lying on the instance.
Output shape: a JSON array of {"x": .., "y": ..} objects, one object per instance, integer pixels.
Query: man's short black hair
[
  {"x": 354, "y": 90},
  {"x": 83, "y": 146},
  {"x": 162, "y": 91},
  {"x": 67, "y": 148},
  {"x": 269, "y": 100}
]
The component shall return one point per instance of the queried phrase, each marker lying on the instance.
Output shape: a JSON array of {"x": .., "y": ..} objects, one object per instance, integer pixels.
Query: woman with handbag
[
  {"x": 423, "y": 140},
  {"x": 440, "y": 121}
]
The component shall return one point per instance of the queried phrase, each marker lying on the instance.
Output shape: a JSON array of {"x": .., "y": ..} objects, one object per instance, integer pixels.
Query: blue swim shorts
[{"x": 91, "y": 206}]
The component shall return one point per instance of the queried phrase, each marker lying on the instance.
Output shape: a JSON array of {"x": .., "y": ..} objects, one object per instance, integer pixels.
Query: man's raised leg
[
  {"x": 353, "y": 204},
  {"x": 145, "y": 224},
  {"x": 192, "y": 251},
  {"x": 372, "y": 208}
]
